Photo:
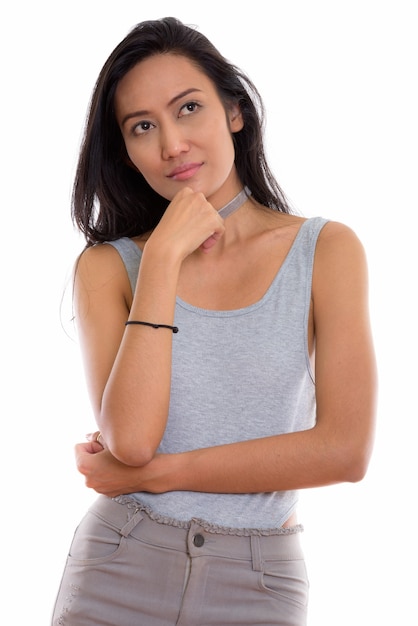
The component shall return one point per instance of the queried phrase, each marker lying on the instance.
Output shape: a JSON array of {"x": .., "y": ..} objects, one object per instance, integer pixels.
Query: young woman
[{"x": 226, "y": 344}]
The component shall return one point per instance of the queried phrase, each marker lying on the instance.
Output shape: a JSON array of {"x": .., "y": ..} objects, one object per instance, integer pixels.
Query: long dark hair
[{"x": 110, "y": 198}]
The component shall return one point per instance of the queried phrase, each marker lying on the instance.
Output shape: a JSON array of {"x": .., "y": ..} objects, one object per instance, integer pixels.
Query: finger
[
  {"x": 91, "y": 447},
  {"x": 210, "y": 242},
  {"x": 97, "y": 437}
]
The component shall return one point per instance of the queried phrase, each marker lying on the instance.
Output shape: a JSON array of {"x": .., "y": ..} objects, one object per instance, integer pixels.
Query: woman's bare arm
[
  {"x": 128, "y": 369},
  {"x": 336, "y": 449}
]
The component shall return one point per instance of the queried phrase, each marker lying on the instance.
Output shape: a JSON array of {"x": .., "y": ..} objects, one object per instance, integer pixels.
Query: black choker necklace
[{"x": 235, "y": 203}]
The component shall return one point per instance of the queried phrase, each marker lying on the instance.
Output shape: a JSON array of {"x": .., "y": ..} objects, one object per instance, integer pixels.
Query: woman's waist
[
  {"x": 130, "y": 519},
  {"x": 265, "y": 513}
]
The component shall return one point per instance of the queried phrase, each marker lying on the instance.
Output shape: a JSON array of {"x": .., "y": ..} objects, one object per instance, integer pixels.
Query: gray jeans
[{"x": 124, "y": 569}]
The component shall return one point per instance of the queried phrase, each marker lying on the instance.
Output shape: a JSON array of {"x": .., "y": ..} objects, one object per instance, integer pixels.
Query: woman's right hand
[{"x": 189, "y": 222}]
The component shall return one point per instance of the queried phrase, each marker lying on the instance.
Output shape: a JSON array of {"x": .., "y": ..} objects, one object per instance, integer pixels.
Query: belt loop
[
  {"x": 131, "y": 523},
  {"x": 256, "y": 553}
]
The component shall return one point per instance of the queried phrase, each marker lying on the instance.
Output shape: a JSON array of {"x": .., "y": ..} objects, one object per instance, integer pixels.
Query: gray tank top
[{"x": 238, "y": 375}]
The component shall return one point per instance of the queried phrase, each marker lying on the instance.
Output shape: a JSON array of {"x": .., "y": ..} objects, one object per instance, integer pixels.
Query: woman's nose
[{"x": 173, "y": 142}]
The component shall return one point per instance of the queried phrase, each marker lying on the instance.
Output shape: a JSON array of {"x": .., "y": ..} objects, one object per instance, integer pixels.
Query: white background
[{"x": 339, "y": 80}]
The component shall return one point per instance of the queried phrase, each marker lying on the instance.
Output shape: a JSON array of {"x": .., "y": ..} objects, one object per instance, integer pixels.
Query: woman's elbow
[
  {"x": 356, "y": 471},
  {"x": 353, "y": 463},
  {"x": 131, "y": 453}
]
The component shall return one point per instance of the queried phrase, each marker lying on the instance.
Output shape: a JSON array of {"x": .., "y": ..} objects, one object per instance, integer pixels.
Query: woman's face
[{"x": 175, "y": 127}]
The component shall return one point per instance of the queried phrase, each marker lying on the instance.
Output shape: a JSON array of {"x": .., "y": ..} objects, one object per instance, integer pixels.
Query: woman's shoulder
[
  {"x": 107, "y": 251},
  {"x": 338, "y": 236},
  {"x": 340, "y": 257},
  {"x": 329, "y": 229},
  {"x": 100, "y": 264}
]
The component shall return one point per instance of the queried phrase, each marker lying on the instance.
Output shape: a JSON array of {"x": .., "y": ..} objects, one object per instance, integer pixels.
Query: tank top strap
[{"x": 131, "y": 257}]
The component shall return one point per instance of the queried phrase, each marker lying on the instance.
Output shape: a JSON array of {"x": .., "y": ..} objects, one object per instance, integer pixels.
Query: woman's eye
[
  {"x": 142, "y": 127},
  {"x": 189, "y": 107}
]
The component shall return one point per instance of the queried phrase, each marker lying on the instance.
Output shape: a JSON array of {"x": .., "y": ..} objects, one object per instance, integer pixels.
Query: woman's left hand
[{"x": 110, "y": 477}]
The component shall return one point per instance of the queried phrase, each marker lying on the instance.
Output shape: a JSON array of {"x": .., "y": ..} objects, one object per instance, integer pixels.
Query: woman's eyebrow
[{"x": 145, "y": 112}]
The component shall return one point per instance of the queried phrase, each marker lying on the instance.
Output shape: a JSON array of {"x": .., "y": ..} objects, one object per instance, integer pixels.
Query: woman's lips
[{"x": 184, "y": 172}]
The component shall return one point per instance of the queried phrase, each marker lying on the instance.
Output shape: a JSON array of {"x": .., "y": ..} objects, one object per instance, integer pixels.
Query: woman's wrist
[
  {"x": 160, "y": 254},
  {"x": 169, "y": 472}
]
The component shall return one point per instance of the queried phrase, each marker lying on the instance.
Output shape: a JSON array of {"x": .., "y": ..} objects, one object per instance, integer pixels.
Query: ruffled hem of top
[{"x": 136, "y": 505}]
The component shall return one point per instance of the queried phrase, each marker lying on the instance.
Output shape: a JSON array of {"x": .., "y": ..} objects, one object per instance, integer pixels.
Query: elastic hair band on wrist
[{"x": 173, "y": 328}]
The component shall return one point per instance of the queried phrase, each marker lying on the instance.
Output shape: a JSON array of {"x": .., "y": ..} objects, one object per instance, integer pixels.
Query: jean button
[{"x": 198, "y": 540}]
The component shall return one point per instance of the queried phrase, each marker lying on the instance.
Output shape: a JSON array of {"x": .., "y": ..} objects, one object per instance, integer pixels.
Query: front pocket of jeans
[
  {"x": 95, "y": 541},
  {"x": 287, "y": 579}
]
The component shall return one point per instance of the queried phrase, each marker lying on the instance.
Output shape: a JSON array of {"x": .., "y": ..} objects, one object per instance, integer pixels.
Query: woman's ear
[{"x": 236, "y": 121}]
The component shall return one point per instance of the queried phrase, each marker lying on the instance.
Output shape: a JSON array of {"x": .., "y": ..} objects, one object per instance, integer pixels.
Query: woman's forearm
[
  {"x": 310, "y": 458},
  {"x": 135, "y": 401},
  {"x": 131, "y": 374},
  {"x": 291, "y": 461}
]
